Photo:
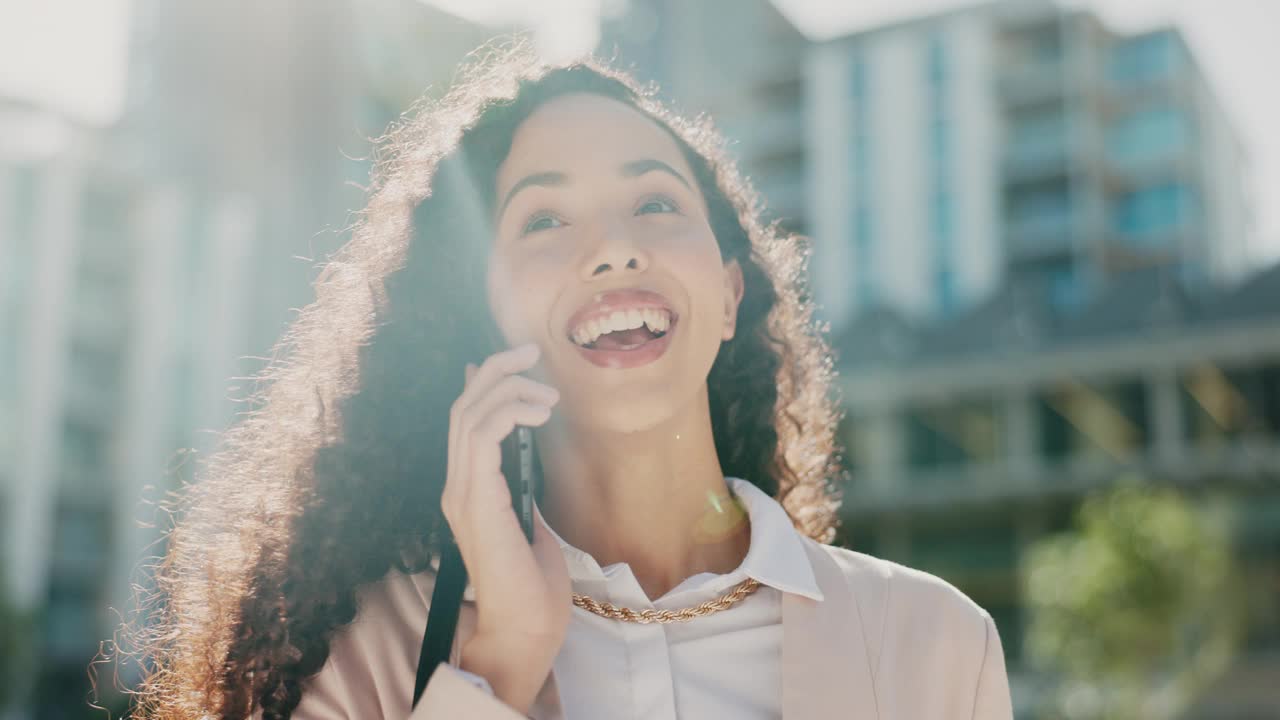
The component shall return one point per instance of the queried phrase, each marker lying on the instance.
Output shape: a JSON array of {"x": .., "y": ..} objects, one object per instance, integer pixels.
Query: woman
[{"x": 655, "y": 335}]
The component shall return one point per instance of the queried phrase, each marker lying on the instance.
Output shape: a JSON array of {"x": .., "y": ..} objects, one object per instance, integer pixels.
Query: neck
[{"x": 655, "y": 499}]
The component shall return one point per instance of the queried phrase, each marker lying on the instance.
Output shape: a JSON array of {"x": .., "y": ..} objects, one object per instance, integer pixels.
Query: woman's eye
[
  {"x": 656, "y": 205},
  {"x": 541, "y": 221}
]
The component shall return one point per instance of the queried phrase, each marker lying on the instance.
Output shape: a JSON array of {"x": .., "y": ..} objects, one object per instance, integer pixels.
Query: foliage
[{"x": 1136, "y": 610}]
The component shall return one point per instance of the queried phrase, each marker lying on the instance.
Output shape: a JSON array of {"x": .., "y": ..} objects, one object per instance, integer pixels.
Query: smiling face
[{"x": 604, "y": 256}]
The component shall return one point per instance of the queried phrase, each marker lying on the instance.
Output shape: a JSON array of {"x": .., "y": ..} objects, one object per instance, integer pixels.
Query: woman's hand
[{"x": 523, "y": 597}]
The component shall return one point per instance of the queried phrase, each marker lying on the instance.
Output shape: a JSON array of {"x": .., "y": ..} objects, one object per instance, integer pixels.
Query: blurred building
[
  {"x": 1014, "y": 141},
  {"x": 741, "y": 62},
  {"x": 970, "y": 438},
  {"x": 279, "y": 101},
  {"x": 146, "y": 269},
  {"x": 113, "y": 355}
]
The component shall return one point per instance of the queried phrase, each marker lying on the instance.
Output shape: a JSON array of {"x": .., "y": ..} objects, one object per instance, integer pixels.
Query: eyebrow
[{"x": 632, "y": 169}]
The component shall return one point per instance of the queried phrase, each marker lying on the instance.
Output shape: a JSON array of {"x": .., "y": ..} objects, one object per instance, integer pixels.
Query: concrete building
[
  {"x": 123, "y": 314},
  {"x": 743, "y": 64},
  {"x": 1009, "y": 141},
  {"x": 147, "y": 268},
  {"x": 973, "y": 437}
]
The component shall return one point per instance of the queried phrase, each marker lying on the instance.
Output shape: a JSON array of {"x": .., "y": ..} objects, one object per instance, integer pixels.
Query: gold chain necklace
[{"x": 644, "y": 617}]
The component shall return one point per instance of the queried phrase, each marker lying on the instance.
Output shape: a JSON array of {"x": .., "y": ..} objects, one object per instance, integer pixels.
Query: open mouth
[{"x": 624, "y": 330}]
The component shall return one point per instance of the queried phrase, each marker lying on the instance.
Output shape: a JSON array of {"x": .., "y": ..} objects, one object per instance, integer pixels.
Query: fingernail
[{"x": 530, "y": 349}]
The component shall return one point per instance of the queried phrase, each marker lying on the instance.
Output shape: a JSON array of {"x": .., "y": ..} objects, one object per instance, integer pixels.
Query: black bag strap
[{"x": 442, "y": 617}]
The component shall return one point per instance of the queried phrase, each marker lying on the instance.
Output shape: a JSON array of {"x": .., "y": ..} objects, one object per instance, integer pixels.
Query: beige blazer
[{"x": 885, "y": 643}]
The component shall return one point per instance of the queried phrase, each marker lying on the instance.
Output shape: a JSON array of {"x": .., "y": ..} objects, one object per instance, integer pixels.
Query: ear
[{"x": 733, "y": 289}]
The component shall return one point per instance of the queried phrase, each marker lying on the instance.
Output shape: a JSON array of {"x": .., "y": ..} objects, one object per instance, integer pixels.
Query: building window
[
  {"x": 1147, "y": 216},
  {"x": 1040, "y": 215},
  {"x": 1094, "y": 420},
  {"x": 1037, "y": 139},
  {"x": 1059, "y": 281},
  {"x": 954, "y": 551},
  {"x": 1143, "y": 59},
  {"x": 954, "y": 434},
  {"x": 1227, "y": 405},
  {"x": 1148, "y": 135},
  {"x": 80, "y": 554}
]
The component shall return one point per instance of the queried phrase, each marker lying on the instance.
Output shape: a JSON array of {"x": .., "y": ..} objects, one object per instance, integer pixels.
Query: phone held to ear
[
  {"x": 517, "y": 459},
  {"x": 446, "y": 597},
  {"x": 517, "y": 468}
]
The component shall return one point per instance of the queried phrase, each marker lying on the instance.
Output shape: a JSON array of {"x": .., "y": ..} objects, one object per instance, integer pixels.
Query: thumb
[{"x": 469, "y": 373}]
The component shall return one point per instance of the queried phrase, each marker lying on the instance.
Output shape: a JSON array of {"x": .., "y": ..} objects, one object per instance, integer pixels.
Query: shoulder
[
  {"x": 372, "y": 661},
  {"x": 908, "y": 612}
]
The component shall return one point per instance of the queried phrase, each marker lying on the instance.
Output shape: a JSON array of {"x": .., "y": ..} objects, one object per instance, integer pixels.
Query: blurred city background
[{"x": 1045, "y": 238}]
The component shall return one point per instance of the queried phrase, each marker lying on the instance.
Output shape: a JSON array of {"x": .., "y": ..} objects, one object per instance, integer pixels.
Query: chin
[{"x": 627, "y": 412}]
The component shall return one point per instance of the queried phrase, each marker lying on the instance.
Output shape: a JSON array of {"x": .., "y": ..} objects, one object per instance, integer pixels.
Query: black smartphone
[
  {"x": 518, "y": 464},
  {"x": 517, "y": 468}
]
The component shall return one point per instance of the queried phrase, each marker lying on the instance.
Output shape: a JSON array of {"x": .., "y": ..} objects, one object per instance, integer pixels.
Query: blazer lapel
[{"x": 825, "y": 670}]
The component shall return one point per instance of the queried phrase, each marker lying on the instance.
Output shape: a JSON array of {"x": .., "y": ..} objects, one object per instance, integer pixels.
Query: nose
[{"x": 616, "y": 250}]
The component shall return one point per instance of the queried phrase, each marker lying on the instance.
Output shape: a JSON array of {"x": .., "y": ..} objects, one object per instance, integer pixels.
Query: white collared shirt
[{"x": 723, "y": 665}]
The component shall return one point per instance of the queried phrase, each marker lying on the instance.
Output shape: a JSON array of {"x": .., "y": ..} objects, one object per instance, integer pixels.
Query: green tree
[{"x": 1138, "y": 609}]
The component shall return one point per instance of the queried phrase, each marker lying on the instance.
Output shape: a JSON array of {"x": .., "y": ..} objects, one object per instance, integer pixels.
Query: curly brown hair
[{"x": 334, "y": 478}]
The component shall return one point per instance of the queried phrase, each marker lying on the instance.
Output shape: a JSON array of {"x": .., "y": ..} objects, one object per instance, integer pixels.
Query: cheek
[
  {"x": 522, "y": 288},
  {"x": 693, "y": 255},
  {"x": 691, "y": 242}
]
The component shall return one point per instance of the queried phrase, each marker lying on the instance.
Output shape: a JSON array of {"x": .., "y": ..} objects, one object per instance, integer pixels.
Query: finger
[
  {"x": 509, "y": 388},
  {"x": 497, "y": 366},
  {"x": 486, "y": 455},
  {"x": 461, "y": 465},
  {"x": 477, "y": 434},
  {"x": 458, "y": 441},
  {"x": 513, "y": 389}
]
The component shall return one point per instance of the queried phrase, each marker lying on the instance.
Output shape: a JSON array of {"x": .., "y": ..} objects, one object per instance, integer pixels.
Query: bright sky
[
  {"x": 71, "y": 54},
  {"x": 67, "y": 54}
]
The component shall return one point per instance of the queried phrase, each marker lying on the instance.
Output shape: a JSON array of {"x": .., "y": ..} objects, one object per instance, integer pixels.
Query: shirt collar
[{"x": 776, "y": 557}]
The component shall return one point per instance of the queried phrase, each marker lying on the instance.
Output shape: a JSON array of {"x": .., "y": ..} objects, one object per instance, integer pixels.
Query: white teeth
[{"x": 657, "y": 320}]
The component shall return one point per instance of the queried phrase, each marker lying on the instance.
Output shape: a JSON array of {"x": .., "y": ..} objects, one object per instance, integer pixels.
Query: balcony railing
[
  {"x": 1034, "y": 82},
  {"x": 1051, "y": 230},
  {"x": 1037, "y": 154},
  {"x": 1245, "y": 461}
]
